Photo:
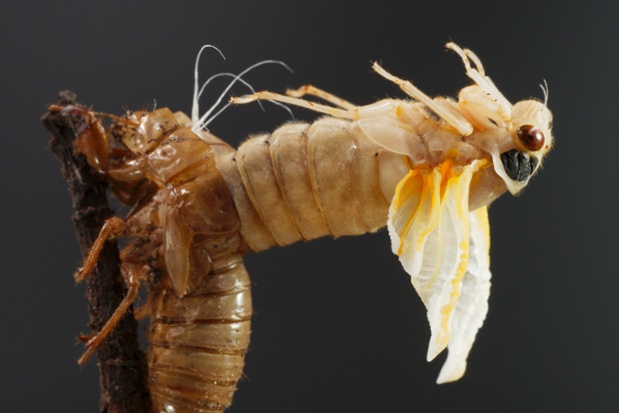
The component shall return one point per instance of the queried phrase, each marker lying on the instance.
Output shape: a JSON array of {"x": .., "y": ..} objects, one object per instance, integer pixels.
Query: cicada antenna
[
  {"x": 82, "y": 110},
  {"x": 546, "y": 91}
]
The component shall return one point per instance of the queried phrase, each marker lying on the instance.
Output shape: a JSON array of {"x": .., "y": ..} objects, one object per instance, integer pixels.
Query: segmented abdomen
[
  {"x": 303, "y": 182},
  {"x": 198, "y": 342}
]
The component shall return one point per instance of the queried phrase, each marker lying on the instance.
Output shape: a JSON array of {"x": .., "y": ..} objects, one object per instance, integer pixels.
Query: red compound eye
[{"x": 531, "y": 137}]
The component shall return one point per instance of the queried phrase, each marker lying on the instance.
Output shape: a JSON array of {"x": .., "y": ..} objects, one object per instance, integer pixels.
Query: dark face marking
[
  {"x": 531, "y": 137},
  {"x": 518, "y": 165}
]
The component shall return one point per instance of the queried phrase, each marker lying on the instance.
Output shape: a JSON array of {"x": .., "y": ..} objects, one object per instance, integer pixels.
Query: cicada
[{"x": 426, "y": 167}]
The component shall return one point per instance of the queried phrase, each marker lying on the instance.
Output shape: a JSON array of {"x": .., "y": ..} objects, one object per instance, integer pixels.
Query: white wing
[
  {"x": 472, "y": 305},
  {"x": 445, "y": 250}
]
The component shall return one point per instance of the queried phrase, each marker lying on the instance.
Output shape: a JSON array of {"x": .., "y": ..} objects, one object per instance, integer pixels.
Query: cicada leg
[
  {"x": 319, "y": 93},
  {"x": 112, "y": 228},
  {"x": 351, "y": 113},
  {"x": 132, "y": 280},
  {"x": 439, "y": 107}
]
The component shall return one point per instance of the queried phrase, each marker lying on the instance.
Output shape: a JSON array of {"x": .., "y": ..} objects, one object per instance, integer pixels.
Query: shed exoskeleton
[{"x": 427, "y": 168}]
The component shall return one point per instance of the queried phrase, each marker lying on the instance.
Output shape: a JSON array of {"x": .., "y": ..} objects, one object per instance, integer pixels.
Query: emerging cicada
[
  {"x": 428, "y": 168},
  {"x": 440, "y": 163}
]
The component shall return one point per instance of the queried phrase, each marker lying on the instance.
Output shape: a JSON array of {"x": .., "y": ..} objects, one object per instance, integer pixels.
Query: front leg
[
  {"x": 441, "y": 106},
  {"x": 112, "y": 228}
]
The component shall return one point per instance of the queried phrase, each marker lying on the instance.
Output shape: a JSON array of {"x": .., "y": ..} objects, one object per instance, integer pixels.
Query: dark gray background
[{"x": 338, "y": 328}]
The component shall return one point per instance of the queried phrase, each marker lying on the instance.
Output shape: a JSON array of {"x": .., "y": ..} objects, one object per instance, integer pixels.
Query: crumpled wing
[
  {"x": 472, "y": 305},
  {"x": 177, "y": 242},
  {"x": 444, "y": 248}
]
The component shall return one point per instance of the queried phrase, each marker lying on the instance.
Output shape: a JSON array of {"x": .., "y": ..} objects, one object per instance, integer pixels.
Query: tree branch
[{"x": 122, "y": 365}]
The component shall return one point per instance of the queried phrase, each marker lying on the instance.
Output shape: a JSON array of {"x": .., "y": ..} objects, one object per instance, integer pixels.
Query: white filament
[
  {"x": 545, "y": 90},
  {"x": 195, "y": 109},
  {"x": 200, "y": 122}
]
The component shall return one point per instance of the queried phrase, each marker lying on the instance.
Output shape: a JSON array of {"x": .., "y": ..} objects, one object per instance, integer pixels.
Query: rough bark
[{"x": 122, "y": 365}]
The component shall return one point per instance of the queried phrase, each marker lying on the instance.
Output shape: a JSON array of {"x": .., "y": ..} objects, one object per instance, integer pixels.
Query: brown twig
[{"x": 122, "y": 364}]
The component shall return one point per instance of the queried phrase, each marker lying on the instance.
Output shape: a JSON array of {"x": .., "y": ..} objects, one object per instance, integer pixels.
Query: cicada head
[
  {"x": 519, "y": 146},
  {"x": 517, "y": 137},
  {"x": 531, "y": 135}
]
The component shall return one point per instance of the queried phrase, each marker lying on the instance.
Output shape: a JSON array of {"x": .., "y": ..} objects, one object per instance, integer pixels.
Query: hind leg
[
  {"x": 317, "y": 107},
  {"x": 131, "y": 274},
  {"x": 131, "y": 271}
]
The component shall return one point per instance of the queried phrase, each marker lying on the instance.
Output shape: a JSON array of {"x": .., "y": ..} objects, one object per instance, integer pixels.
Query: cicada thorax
[{"x": 305, "y": 181}]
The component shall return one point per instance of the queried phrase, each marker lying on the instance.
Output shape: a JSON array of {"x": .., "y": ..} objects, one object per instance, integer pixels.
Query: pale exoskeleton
[
  {"x": 428, "y": 168},
  {"x": 440, "y": 164}
]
